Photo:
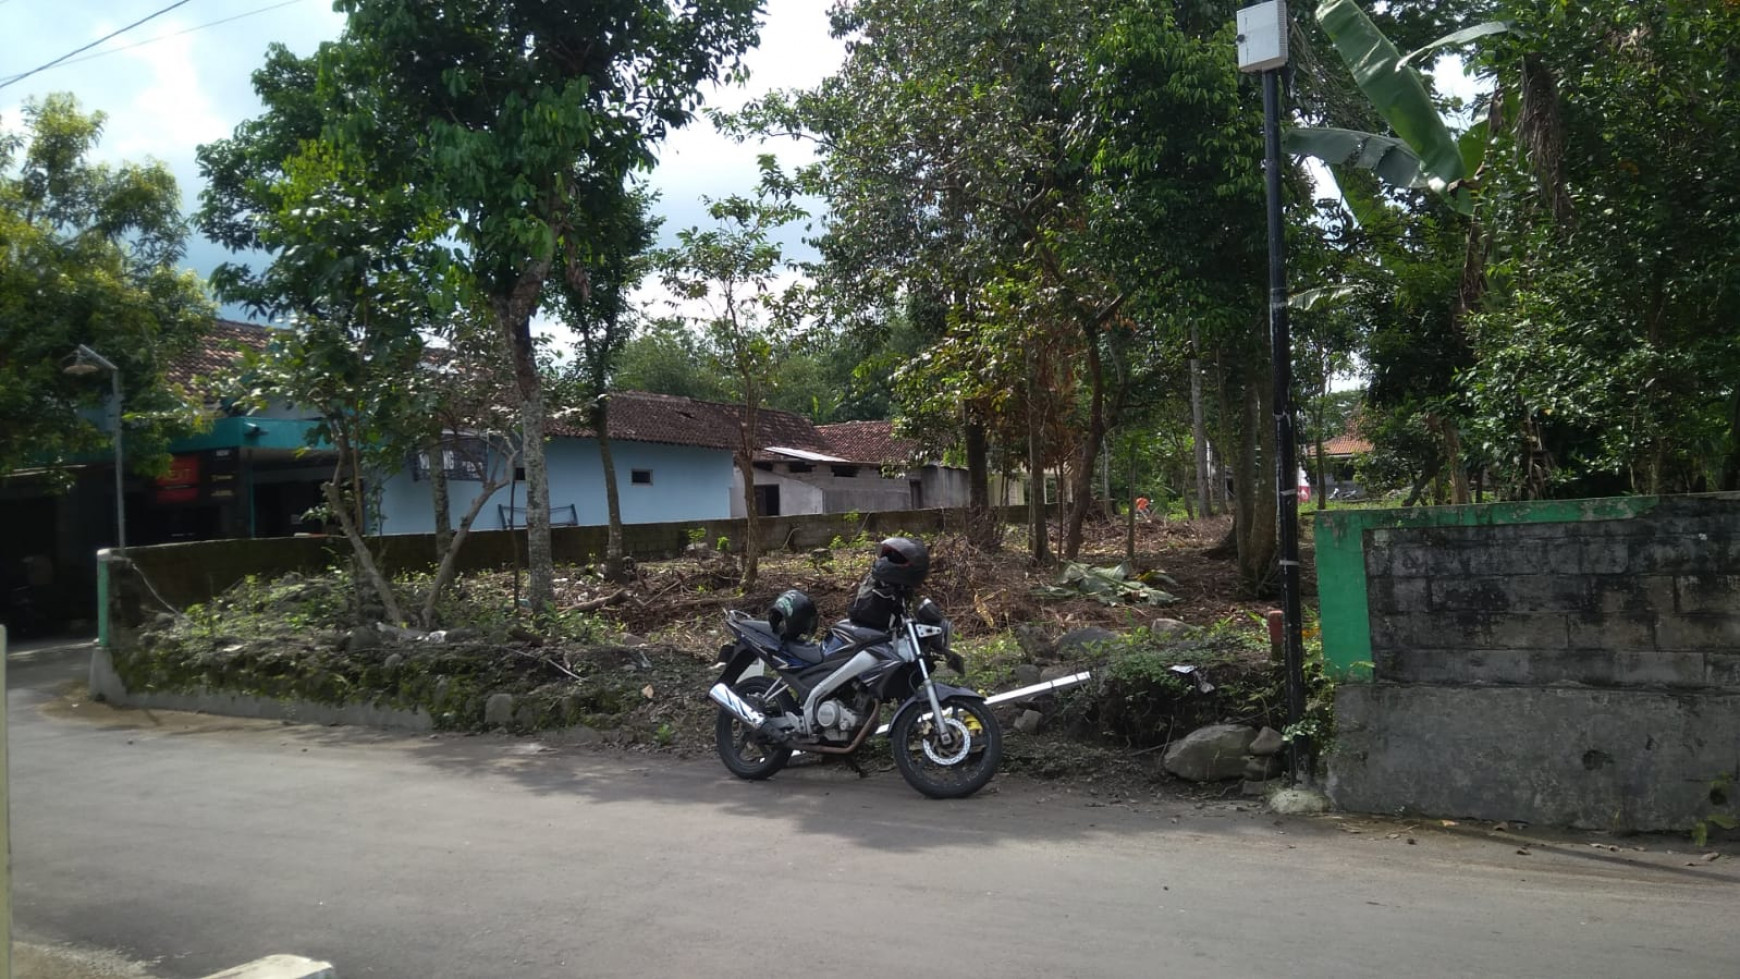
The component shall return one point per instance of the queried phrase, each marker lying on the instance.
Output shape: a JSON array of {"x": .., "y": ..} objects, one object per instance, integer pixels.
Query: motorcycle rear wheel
[
  {"x": 953, "y": 770},
  {"x": 745, "y": 755}
]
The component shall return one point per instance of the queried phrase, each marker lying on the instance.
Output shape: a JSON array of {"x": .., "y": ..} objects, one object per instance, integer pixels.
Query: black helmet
[
  {"x": 793, "y": 615},
  {"x": 901, "y": 561}
]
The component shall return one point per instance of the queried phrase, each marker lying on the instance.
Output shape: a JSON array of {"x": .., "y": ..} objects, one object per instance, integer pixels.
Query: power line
[
  {"x": 164, "y": 37},
  {"x": 82, "y": 50}
]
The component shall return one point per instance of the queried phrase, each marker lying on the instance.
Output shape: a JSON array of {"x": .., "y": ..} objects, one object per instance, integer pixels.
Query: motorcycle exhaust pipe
[{"x": 725, "y": 697}]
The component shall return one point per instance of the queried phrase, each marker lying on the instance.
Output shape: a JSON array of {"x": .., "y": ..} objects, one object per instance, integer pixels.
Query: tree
[
  {"x": 1605, "y": 356},
  {"x": 728, "y": 275},
  {"x": 357, "y": 267},
  {"x": 595, "y": 306},
  {"x": 1033, "y": 170},
  {"x": 511, "y": 114},
  {"x": 88, "y": 254}
]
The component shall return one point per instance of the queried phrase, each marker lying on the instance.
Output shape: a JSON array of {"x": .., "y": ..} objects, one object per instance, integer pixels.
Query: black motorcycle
[{"x": 828, "y": 697}]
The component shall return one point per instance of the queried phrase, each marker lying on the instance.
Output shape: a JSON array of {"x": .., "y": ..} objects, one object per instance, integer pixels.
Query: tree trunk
[
  {"x": 440, "y": 498},
  {"x": 365, "y": 558},
  {"x": 1036, "y": 524},
  {"x": 449, "y": 564},
  {"x": 1322, "y": 465},
  {"x": 513, "y": 314},
  {"x": 1130, "y": 520},
  {"x": 982, "y": 526},
  {"x": 746, "y": 466},
  {"x": 614, "y": 565},
  {"x": 1198, "y": 430},
  {"x": 1090, "y": 446},
  {"x": 1459, "y": 487},
  {"x": 1254, "y": 488}
]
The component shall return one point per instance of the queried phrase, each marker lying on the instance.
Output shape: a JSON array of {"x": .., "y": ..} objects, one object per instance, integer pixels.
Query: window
[
  {"x": 798, "y": 467},
  {"x": 845, "y": 472},
  {"x": 462, "y": 459},
  {"x": 640, "y": 477}
]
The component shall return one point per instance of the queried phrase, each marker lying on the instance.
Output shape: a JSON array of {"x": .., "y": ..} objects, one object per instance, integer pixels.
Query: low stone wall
[
  {"x": 106, "y": 685},
  {"x": 1569, "y": 662}
]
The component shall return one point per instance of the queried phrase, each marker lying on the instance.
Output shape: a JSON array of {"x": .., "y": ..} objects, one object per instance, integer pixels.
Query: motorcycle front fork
[{"x": 945, "y": 735}]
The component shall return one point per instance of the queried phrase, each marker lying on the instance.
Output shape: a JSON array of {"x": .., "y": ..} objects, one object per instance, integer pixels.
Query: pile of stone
[{"x": 1222, "y": 752}]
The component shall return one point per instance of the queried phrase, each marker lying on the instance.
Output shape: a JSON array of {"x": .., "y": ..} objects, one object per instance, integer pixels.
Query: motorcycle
[{"x": 828, "y": 697}]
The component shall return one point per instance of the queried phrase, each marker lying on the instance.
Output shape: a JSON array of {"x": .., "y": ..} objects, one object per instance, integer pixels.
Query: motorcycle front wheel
[
  {"x": 747, "y": 756},
  {"x": 951, "y": 759}
]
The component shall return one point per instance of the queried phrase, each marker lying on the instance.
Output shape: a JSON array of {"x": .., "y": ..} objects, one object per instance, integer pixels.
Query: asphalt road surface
[{"x": 196, "y": 843}]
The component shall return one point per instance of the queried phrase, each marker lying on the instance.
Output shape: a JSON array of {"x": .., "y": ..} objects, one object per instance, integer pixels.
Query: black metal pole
[{"x": 1286, "y": 467}]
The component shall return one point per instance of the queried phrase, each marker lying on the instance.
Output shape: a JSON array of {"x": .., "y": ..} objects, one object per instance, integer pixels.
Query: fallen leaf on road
[
  {"x": 1523, "y": 851},
  {"x": 1500, "y": 827},
  {"x": 1448, "y": 822},
  {"x": 647, "y": 691},
  {"x": 1712, "y": 857}
]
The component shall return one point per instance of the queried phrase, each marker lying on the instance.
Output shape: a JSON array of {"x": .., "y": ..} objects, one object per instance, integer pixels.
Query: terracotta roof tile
[
  {"x": 1346, "y": 445},
  {"x": 869, "y": 442},
  {"x": 218, "y": 350}
]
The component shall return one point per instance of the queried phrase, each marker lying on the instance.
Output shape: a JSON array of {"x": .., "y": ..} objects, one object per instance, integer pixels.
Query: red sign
[{"x": 181, "y": 483}]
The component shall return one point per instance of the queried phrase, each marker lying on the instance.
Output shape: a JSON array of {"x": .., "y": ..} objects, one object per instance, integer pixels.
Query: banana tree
[{"x": 1423, "y": 153}]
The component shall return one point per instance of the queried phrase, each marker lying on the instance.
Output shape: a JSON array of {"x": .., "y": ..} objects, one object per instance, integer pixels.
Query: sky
[
  {"x": 173, "y": 83},
  {"x": 182, "y": 79}
]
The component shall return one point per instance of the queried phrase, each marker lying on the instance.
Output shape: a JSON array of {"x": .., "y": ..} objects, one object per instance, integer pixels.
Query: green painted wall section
[
  {"x": 248, "y": 433},
  {"x": 1344, "y": 613}
]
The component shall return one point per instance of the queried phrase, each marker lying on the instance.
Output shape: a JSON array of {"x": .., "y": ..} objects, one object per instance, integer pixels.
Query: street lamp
[
  {"x": 1262, "y": 46},
  {"x": 85, "y": 363}
]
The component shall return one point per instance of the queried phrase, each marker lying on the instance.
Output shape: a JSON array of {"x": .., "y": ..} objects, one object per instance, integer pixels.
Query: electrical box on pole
[{"x": 1263, "y": 36}]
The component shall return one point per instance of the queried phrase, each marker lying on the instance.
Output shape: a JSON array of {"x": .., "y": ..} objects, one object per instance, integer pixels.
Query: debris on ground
[{"x": 1113, "y": 585}]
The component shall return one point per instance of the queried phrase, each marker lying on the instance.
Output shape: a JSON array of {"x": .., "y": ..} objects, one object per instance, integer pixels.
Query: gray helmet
[
  {"x": 793, "y": 615},
  {"x": 901, "y": 561}
]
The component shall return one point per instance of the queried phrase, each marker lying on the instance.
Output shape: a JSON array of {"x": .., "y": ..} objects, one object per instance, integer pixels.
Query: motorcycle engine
[{"x": 836, "y": 720}]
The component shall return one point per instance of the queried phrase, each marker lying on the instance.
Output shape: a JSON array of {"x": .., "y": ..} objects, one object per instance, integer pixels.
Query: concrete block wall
[
  {"x": 1649, "y": 601},
  {"x": 1562, "y": 662}
]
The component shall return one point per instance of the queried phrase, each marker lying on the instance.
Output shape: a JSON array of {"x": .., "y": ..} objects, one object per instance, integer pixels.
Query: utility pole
[{"x": 1262, "y": 46}]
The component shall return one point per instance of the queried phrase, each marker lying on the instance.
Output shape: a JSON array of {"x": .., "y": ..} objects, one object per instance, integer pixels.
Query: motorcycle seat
[
  {"x": 857, "y": 634},
  {"x": 762, "y": 634}
]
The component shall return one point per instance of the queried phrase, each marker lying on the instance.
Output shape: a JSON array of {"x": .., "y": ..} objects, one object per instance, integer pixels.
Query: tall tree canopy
[{"x": 88, "y": 254}]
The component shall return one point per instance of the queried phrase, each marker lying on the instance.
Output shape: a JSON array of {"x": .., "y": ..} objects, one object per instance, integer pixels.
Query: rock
[
  {"x": 1298, "y": 801},
  {"x": 1211, "y": 754},
  {"x": 699, "y": 550},
  {"x": 393, "y": 662},
  {"x": 441, "y": 687},
  {"x": 630, "y": 639},
  {"x": 362, "y": 639},
  {"x": 1056, "y": 673},
  {"x": 163, "y": 620},
  {"x": 1034, "y": 642},
  {"x": 498, "y": 710},
  {"x": 1029, "y": 721},
  {"x": 581, "y": 734},
  {"x": 463, "y": 634},
  {"x": 1168, "y": 628},
  {"x": 1080, "y": 643},
  {"x": 1268, "y": 742},
  {"x": 1026, "y": 675},
  {"x": 1261, "y": 767}
]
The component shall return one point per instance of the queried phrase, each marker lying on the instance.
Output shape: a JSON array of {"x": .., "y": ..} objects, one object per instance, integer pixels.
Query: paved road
[{"x": 200, "y": 843}]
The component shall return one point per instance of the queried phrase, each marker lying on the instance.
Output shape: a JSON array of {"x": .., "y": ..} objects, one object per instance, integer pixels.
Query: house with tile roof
[{"x": 257, "y": 474}]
